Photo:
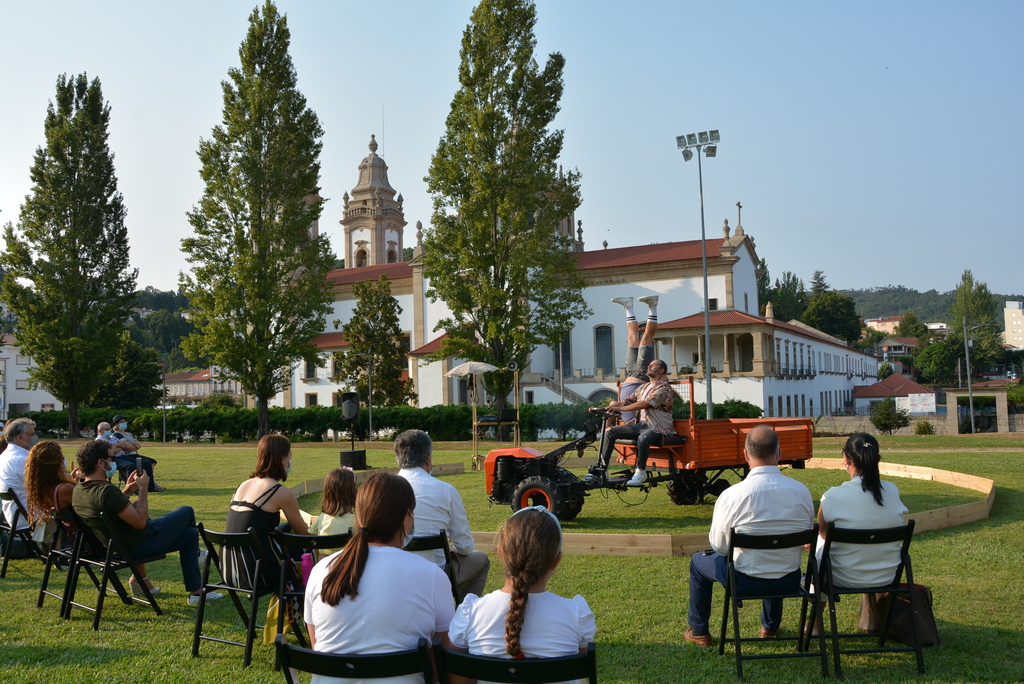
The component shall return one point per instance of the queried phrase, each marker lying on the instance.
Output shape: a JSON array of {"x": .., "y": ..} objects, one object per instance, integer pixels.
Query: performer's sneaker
[
  {"x": 639, "y": 477},
  {"x": 624, "y": 301},
  {"x": 649, "y": 300}
]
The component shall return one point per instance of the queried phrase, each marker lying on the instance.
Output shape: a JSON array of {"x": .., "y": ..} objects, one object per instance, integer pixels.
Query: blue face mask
[
  {"x": 107, "y": 433},
  {"x": 122, "y": 426},
  {"x": 33, "y": 441},
  {"x": 110, "y": 469}
]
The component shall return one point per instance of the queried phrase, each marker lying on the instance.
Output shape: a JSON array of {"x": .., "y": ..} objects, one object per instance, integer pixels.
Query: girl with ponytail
[
  {"x": 373, "y": 597},
  {"x": 523, "y": 619},
  {"x": 864, "y": 502}
]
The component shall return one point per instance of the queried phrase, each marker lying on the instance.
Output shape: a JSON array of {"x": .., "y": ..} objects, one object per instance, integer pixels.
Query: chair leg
[
  {"x": 736, "y": 636},
  {"x": 723, "y": 633},
  {"x": 7, "y": 552},
  {"x": 835, "y": 636},
  {"x": 99, "y": 599},
  {"x": 250, "y": 634},
  {"x": 46, "y": 580}
]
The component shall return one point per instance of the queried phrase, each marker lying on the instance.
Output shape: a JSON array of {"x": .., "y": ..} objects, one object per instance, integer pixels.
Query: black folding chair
[
  {"x": 11, "y": 528},
  {"x": 831, "y": 591},
  {"x": 511, "y": 671},
  {"x": 807, "y": 592},
  {"x": 252, "y": 589},
  {"x": 375, "y": 666},
  {"x": 291, "y": 588},
  {"x": 61, "y": 555},
  {"x": 109, "y": 558},
  {"x": 438, "y": 541}
]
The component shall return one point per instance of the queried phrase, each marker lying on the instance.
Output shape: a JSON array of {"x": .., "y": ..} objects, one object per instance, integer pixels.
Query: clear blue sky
[{"x": 877, "y": 141}]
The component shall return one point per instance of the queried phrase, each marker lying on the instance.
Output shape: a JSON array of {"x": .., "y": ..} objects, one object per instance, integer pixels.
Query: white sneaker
[
  {"x": 624, "y": 301},
  {"x": 193, "y": 599},
  {"x": 649, "y": 300},
  {"x": 638, "y": 478}
]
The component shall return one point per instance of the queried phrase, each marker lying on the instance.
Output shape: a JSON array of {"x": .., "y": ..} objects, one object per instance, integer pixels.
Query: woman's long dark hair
[
  {"x": 862, "y": 449},
  {"x": 381, "y": 506}
]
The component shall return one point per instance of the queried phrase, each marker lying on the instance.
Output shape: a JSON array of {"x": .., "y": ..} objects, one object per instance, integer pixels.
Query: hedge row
[{"x": 444, "y": 423}]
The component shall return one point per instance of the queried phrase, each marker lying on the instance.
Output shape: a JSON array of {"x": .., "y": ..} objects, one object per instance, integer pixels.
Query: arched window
[
  {"x": 392, "y": 257},
  {"x": 602, "y": 394},
  {"x": 361, "y": 257},
  {"x": 604, "y": 349}
]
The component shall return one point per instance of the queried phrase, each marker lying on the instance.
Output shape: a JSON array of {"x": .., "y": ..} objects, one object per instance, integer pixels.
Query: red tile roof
[
  {"x": 721, "y": 319},
  {"x": 330, "y": 341},
  {"x": 893, "y": 386},
  {"x": 188, "y": 376},
  {"x": 645, "y": 254},
  {"x": 345, "y": 276},
  {"x": 429, "y": 347}
]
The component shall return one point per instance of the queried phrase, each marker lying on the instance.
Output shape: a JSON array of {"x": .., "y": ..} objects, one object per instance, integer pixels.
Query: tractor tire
[
  {"x": 572, "y": 493},
  {"x": 539, "y": 491},
  {"x": 686, "y": 489}
]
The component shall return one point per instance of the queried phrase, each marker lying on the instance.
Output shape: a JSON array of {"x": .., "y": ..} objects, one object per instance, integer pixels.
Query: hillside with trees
[{"x": 929, "y": 306}]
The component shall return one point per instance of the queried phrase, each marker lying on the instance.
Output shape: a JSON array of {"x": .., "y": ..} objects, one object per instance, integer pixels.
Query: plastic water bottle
[{"x": 307, "y": 566}]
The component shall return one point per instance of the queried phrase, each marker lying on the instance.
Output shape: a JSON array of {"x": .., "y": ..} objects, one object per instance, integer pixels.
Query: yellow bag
[{"x": 270, "y": 629}]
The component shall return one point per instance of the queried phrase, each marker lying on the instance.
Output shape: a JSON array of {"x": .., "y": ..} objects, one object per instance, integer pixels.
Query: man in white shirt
[
  {"x": 439, "y": 507},
  {"x": 20, "y": 434},
  {"x": 765, "y": 502}
]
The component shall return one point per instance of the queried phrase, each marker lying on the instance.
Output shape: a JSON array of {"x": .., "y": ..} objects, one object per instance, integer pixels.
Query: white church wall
[{"x": 744, "y": 284}]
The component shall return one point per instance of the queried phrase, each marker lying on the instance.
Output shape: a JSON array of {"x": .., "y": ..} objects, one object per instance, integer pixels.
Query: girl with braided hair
[
  {"x": 864, "y": 502},
  {"x": 523, "y": 619},
  {"x": 373, "y": 597}
]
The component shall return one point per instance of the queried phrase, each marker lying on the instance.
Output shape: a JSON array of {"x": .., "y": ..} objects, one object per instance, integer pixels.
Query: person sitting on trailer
[{"x": 654, "y": 402}]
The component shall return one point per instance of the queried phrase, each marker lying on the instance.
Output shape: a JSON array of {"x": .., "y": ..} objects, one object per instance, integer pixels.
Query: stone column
[
  {"x": 952, "y": 420},
  {"x": 1002, "y": 412},
  {"x": 726, "y": 365},
  {"x": 759, "y": 362},
  {"x": 701, "y": 361},
  {"x": 675, "y": 364}
]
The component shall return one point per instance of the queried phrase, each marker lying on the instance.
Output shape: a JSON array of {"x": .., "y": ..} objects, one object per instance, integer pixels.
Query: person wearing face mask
[
  {"x": 175, "y": 531},
  {"x": 439, "y": 507},
  {"x": 126, "y": 449},
  {"x": 20, "y": 434},
  {"x": 259, "y": 503}
]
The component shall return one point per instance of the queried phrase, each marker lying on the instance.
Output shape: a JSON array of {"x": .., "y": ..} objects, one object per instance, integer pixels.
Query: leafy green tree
[
  {"x": 218, "y": 400},
  {"x": 937, "y": 362},
  {"x": 373, "y": 331},
  {"x": 258, "y": 290},
  {"x": 68, "y": 278},
  {"x": 870, "y": 339},
  {"x": 764, "y": 286},
  {"x": 910, "y": 326},
  {"x": 133, "y": 380},
  {"x": 884, "y": 370},
  {"x": 887, "y": 417},
  {"x": 818, "y": 284},
  {"x": 789, "y": 297},
  {"x": 834, "y": 313},
  {"x": 973, "y": 303},
  {"x": 493, "y": 254}
]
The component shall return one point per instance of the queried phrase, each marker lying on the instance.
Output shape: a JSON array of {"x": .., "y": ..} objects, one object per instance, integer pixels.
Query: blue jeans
[
  {"x": 175, "y": 531},
  {"x": 706, "y": 569}
]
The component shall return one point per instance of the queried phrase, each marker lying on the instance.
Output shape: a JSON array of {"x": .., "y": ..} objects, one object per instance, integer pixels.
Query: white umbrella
[{"x": 471, "y": 368}]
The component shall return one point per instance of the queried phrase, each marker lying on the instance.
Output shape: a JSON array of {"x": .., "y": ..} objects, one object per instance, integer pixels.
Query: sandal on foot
[{"x": 137, "y": 591}]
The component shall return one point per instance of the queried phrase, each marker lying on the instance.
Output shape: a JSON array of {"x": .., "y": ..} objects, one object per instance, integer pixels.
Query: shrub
[
  {"x": 887, "y": 417},
  {"x": 924, "y": 428}
]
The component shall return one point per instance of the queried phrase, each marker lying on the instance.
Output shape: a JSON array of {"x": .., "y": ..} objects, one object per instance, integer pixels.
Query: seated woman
[
  {"x": 47, "y": 483},
  {"x": 373, "y": 597},
  {"x": 337, "y": 508},
  {"x": 258, "y": 503},
  {"x": 175, "y": 531},
  {"x": 865, "y": 502},
  {"x": 523, "y": 619}
]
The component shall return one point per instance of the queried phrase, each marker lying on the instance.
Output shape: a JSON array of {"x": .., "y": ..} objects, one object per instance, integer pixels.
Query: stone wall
[{"x": 847, "y": 425}]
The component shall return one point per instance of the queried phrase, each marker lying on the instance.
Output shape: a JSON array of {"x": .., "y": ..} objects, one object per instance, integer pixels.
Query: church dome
[{"x": 373, "y": 174}]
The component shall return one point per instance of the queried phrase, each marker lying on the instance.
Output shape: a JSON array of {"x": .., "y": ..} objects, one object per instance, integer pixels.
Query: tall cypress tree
[
  {"x": 259, "y": 292},
  {"x": 493, "y": 254},
  {"x": 68, "y": 278}
]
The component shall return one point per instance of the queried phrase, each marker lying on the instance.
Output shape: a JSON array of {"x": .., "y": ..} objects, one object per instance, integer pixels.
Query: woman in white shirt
[
  {"x": 373, "y": 597},
  {"x": 523, "y": 619},
  {"x": 865, "y": 502}
]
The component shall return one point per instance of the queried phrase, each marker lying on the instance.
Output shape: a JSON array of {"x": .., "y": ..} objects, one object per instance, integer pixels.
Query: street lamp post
[
  {"x": 708, "y": 141},
  {"x": 369, "y": 401}
]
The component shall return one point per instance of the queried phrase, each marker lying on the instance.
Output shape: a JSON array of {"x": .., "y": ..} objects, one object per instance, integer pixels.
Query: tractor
[{"x": 524, "y": 476}]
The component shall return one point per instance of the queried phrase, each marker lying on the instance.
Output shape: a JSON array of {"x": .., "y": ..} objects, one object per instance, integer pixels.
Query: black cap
[{"x": 118, "y": 417}]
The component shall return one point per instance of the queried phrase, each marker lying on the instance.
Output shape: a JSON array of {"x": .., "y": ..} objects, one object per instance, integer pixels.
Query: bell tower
[{"x": 373, "y": 216}]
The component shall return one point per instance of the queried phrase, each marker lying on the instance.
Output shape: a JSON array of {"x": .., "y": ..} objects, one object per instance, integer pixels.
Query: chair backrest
[
  {"x": 216, "y": 541},
  {"x": 92, "y": 545},
  {"x": 376, "y": 666},
  {"x": 438, "y": 541},
  {"x": 286, "y": 540},
  {"x": 510, "y": 671},
  {"x": 770, "y": 542},
  {"x": 20, "y": 511},
  {"x": 903, "y": 534}
]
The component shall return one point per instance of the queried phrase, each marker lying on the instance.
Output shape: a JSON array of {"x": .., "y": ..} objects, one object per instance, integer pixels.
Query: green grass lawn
[{"x": 975, "y": 572}]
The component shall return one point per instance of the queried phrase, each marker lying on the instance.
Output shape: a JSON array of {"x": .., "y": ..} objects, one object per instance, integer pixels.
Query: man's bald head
[{"x": 762, "y": 446}]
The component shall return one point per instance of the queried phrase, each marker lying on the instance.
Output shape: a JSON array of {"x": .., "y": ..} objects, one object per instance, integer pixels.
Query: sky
[{"x": 879, "y": 142}]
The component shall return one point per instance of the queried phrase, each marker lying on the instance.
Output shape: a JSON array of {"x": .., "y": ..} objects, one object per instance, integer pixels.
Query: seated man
[
  {"x": 765, "y": 502},
  {"x": 439, "y": 507},
  {"x": 639, "y": 350},
  {"x": 175, "y": 531},
  {"x": 20, "y": 434},
  {"x": 653, "y": 400},
  {"x": 129, "y": 451}
]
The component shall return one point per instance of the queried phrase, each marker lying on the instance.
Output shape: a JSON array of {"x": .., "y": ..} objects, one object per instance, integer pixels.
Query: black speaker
[
  {"x": 350, "y": 405},
  {"x": 354, "y": 459}
]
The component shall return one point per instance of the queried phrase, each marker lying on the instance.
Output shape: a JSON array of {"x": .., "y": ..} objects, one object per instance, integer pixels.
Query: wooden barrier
[{"x": 313, "y": 486}]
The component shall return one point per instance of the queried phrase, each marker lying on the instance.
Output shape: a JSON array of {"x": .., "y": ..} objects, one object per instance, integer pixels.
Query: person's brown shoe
[
  {"x": 699, "y": 639},
  {"x": 769, "y": 634}
]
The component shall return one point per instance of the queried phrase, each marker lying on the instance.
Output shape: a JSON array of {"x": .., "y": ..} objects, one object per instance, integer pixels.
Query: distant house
[
  {"x": 891, "y": 348},
  {"x": 1013, "y": 324},
  {"x": 908, "y": 395},
  {"x": 190, "y": 387},
  {"x": 17, "y": 396},
  {"x": 885, "y": 324}
]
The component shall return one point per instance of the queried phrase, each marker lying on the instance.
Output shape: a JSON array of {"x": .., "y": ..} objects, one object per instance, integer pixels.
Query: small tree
[
  {"x": 373, "y": 331},
  {"x": 789, "y": 297},
  {"x": 818, "y": 284},
  {"x": 259, "y": 292},
  {"x": 132, "y": 380},
  {"x": 887, "y": 417},
  {"x": 764, "y": 286},
  {"x": 884, "y": 370},
  {"x": 68, "y": 277},
  {"x": 910, "y": 326}
]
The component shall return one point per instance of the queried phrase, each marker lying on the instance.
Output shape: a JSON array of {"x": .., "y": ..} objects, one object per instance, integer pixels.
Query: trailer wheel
[
  {"x": 538, "y": 491},
  {"x": 686, "y": 489}
]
